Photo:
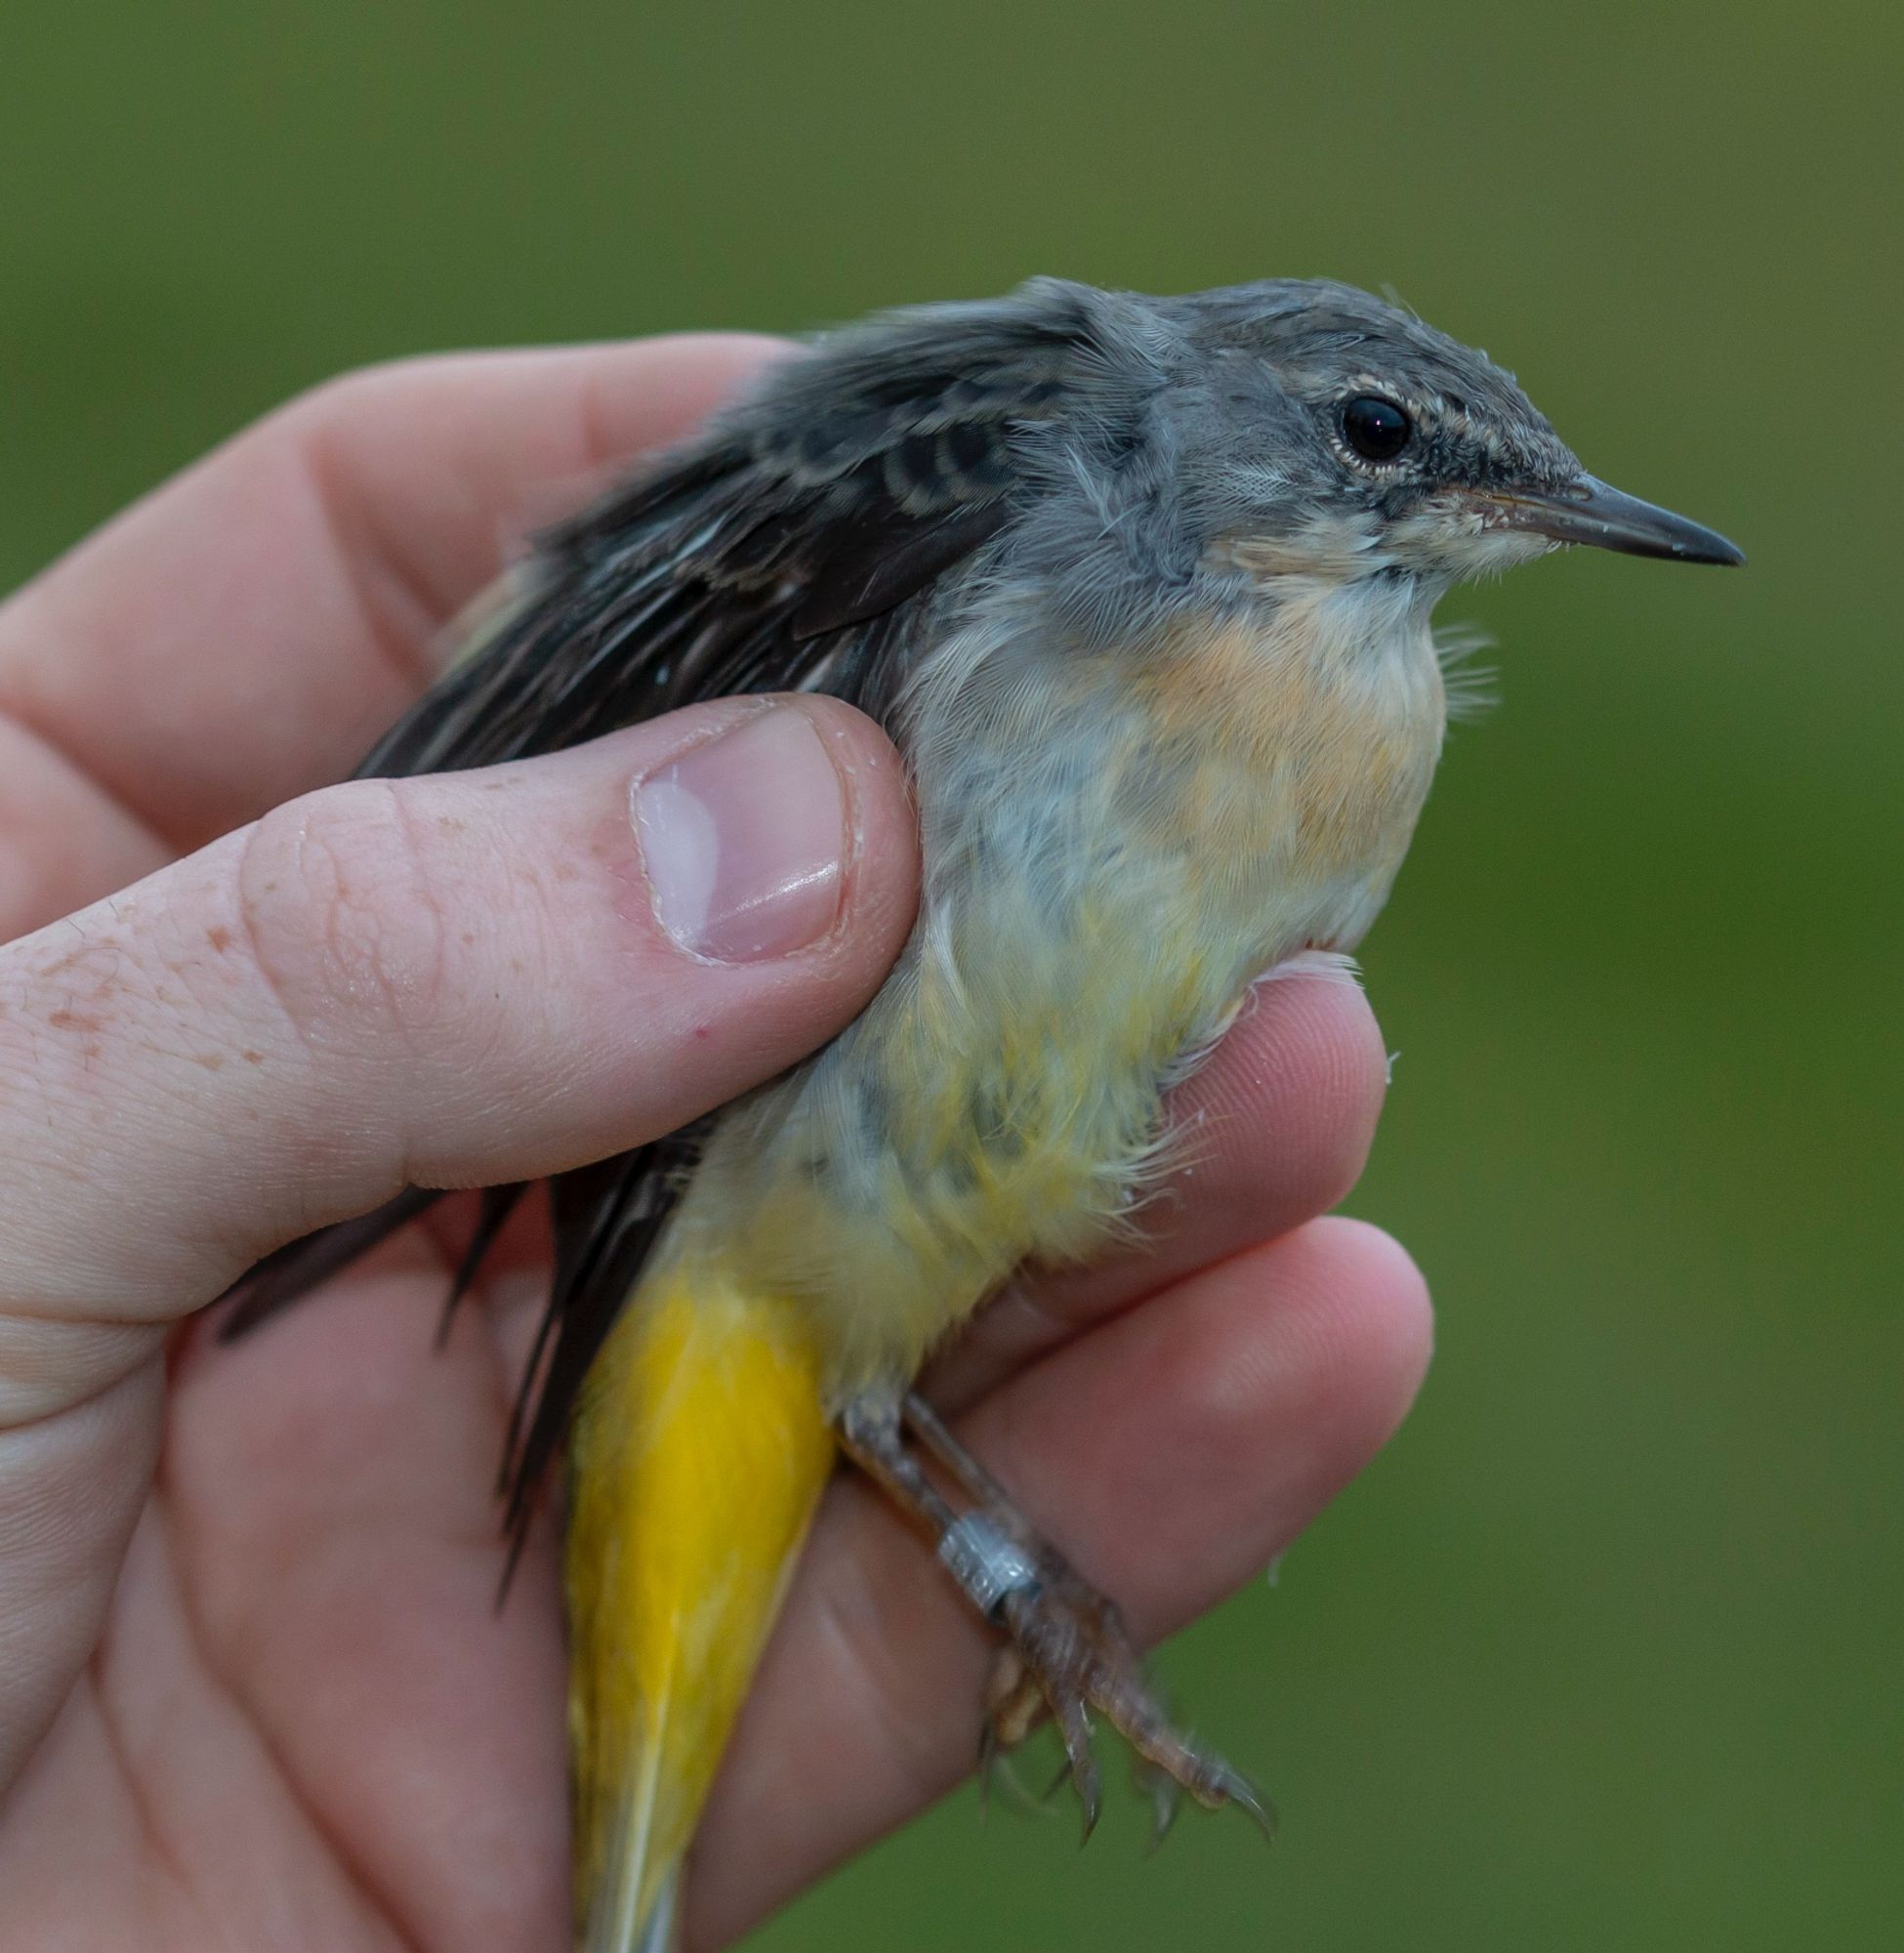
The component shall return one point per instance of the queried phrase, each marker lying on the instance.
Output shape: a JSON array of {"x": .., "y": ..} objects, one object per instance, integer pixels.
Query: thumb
[{"x": 450, "y": 981}]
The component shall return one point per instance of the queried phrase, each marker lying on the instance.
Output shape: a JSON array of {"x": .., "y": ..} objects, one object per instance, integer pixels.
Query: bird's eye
[{"x": 1376, "y": 429}]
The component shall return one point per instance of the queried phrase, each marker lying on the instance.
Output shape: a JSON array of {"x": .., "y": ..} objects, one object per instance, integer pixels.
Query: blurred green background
[{"x": 1605, "y": 1650}]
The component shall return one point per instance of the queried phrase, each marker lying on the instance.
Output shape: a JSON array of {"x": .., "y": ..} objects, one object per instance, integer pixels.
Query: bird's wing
[
  {"x": 770, "y": 554},
  {"x": 776, "y": 551}
]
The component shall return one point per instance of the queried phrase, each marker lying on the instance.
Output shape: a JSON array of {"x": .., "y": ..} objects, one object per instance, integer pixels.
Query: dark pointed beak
[{"x": 1592, "y": 513}]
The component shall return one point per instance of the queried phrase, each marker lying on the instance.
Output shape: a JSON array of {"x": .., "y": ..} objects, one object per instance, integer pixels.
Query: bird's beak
[{"x": 1589, "y": 512}]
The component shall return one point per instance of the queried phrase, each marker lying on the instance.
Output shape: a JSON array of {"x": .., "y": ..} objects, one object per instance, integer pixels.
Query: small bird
[{"x": 1141, "y": 588}]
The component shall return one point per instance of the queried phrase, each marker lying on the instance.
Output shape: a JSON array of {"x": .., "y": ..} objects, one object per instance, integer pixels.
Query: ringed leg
[{"x": 1067, "y": 1649}]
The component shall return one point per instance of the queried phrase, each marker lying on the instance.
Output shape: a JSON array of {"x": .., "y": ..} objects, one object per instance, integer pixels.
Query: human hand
[{"x": 252, "y": 1689}]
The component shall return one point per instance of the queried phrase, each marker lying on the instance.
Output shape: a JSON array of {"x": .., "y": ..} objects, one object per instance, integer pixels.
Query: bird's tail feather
[
  {"x": 658, "y": 1934},
  {"x": 700, "y": 1452}
]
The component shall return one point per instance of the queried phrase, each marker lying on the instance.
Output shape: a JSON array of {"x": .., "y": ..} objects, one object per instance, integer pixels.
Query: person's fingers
[
  {"x": 355, "y": 1461},
  {"x": 460, "y": 980},
  {"x": 1272, "y": 1131},
  {"x": 453, "y": 981},
  {"x": 64, "y": 841},
  {"x": 246, "y": 630},
  {"x": 1170, "y": 1455}
]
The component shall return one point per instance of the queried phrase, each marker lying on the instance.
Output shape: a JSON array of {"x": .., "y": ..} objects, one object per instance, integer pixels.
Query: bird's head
[{"x": 1340, "y": 438}]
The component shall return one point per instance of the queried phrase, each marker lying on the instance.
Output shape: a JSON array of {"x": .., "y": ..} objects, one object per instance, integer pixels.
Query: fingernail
[{"x": 744, "y": 840}]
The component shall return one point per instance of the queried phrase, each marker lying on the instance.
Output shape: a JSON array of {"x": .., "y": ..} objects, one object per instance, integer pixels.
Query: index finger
[{"x": 242, "y": 632}]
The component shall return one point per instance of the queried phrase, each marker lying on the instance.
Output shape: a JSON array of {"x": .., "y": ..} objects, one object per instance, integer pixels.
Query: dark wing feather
[
  {"x": 294, "y": 1270},
  {"x": 745, "y": 563},
  {"x": 770, "y": 554}
]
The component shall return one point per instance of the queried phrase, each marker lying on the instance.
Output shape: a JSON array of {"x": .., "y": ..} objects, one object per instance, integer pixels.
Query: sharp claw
[
  {"x": 1232, "y": 1788},
  {"x": 1087, "y": 1797},
  {"x": 1165, "y": 1804},
  {"x": 1074, "y": 1729}
]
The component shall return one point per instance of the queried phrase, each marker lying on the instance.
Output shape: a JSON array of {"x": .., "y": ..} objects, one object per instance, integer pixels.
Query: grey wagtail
[{"x": 1140, "y": 587}]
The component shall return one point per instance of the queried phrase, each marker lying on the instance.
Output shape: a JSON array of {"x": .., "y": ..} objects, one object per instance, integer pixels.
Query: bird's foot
[
  {"x": 1068, "y": 1654},
  {"x": 1067, "y": 1651}
]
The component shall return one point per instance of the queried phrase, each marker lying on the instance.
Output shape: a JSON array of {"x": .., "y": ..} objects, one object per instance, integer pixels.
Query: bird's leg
[
  {"x": 1067, "y": 1650},
  {"x": 983, "y": 1559}
]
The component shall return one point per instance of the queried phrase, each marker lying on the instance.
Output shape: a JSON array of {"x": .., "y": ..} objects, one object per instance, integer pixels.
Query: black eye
[{"x": 1376, "y": 429}]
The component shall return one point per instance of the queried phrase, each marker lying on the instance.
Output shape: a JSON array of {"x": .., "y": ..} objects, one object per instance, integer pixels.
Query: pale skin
[{"x": 252, "y": 1692}]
